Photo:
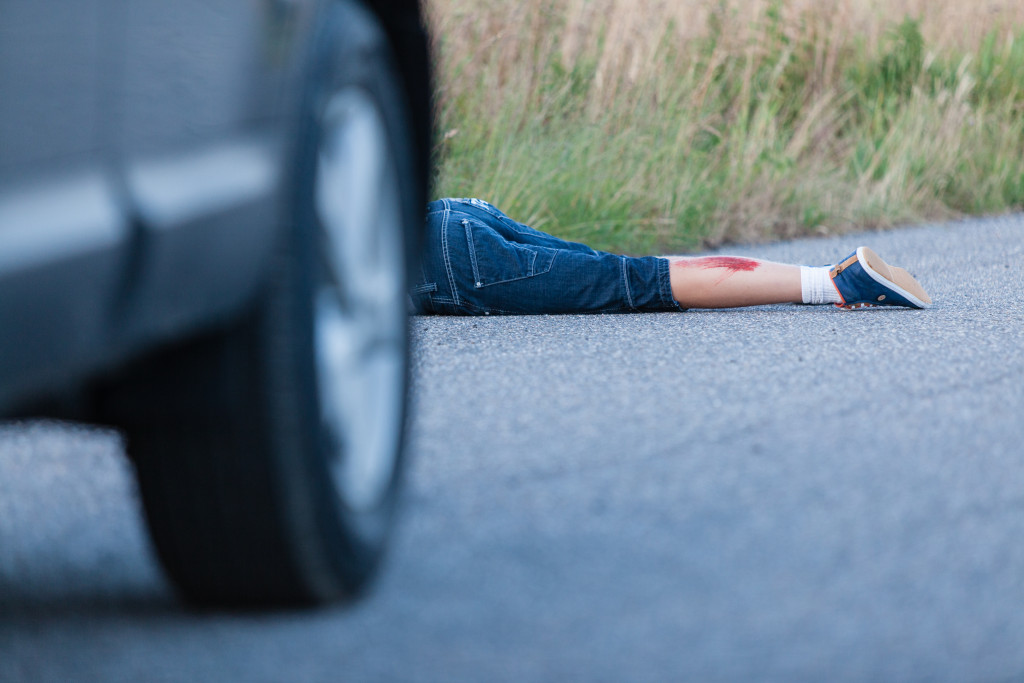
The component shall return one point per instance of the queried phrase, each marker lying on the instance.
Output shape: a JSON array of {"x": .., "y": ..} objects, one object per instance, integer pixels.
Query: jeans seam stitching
[
  {"x": 444, "y": 248},
  {"x": 665, "y": 286},
  {"x": 424, "y": 288},
  {"x": 477, "y": 280},
  {"x": 625, "y": 284}
]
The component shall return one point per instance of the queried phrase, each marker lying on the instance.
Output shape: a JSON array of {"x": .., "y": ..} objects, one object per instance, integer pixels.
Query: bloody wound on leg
[{"x": 734, "y": 264}]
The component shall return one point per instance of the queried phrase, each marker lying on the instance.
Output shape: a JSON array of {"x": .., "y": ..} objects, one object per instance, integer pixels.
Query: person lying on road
[{"x": 478, "y": 261}]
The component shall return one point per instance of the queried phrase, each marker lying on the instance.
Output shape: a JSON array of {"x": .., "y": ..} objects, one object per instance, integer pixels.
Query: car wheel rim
[{"x": 360, "y": 301}]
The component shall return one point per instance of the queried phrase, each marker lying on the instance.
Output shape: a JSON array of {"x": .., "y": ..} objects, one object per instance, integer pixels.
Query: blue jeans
[{"x": 478, "y": 261}]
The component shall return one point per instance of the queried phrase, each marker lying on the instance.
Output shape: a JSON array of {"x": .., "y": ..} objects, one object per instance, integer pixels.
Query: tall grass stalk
[{"x": 663, "y": 125}]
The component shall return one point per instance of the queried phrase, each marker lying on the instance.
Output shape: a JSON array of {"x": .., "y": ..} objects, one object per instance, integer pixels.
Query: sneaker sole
[{"x": 891, "y": 276}]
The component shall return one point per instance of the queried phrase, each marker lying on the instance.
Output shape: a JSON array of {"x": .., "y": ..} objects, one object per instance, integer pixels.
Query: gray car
[{"x": 208, "y": 213}]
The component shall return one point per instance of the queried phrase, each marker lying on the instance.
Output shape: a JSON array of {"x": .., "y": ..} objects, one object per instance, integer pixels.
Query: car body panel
[
  {"x": 62, "y": 252},
  {"x": 207, "y": 221},
  {"x": 144, "y": 153},
  {"x": 53, "y": 66}
]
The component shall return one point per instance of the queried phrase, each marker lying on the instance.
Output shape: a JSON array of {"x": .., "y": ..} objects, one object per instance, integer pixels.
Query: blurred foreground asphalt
[{"x": 786, "y": 493}]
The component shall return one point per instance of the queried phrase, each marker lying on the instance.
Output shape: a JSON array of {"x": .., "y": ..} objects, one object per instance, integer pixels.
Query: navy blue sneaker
[{"x": 863, "y": 279}]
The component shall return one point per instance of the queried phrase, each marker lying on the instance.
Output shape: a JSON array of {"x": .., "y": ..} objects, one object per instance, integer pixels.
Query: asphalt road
[{"x": 785, "y": 493}]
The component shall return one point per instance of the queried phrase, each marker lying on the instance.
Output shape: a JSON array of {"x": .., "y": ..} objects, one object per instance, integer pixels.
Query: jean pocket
[{"x": 496, "y": 260}]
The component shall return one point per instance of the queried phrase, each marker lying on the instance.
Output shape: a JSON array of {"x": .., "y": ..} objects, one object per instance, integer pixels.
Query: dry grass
[{"x": 653, "y": 124}]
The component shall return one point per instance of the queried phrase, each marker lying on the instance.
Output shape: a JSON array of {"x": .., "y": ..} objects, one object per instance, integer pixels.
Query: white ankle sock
[{"x": 816, "y": 286}]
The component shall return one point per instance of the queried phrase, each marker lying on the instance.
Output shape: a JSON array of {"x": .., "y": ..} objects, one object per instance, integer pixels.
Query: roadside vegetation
[{"x": 650, "y": 126}]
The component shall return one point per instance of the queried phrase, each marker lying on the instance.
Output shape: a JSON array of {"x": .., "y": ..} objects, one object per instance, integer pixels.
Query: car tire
[{"x": 270, "y": 454}]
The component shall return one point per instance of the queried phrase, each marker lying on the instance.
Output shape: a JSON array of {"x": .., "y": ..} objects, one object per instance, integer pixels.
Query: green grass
[{"x": 790, "y": 131}]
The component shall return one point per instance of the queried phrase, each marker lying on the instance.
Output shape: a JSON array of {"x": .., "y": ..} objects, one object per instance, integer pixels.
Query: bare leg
[{"x": 730, "y": 281}]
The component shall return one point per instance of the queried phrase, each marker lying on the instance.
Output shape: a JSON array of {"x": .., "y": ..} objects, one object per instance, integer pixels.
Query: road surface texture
[{"x": 786, "y": 493}]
